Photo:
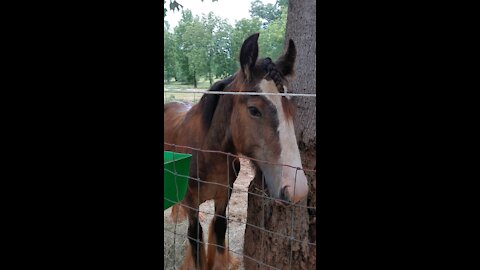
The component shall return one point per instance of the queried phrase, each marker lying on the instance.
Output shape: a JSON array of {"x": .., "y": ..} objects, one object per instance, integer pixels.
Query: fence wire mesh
[
  {"x": 175, "y": 232},
  {"x": 176, "y": 238}
]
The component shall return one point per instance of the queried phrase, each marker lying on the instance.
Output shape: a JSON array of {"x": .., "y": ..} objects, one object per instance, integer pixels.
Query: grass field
[{"x": 188, "y": 97}]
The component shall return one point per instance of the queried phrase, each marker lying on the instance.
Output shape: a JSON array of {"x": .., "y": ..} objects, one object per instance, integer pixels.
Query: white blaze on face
[
  {"x": 285, "y": 90},
  {"x": 297, "y": 189}
]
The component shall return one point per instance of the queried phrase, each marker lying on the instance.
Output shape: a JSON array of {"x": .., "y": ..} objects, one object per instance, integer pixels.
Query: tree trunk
[
  {"x": 269, "y": 248},
  {"x": 194, "y": 80}
]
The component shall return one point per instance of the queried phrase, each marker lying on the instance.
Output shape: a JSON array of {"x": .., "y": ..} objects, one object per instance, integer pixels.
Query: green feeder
[{"x": 175, "y": 181}]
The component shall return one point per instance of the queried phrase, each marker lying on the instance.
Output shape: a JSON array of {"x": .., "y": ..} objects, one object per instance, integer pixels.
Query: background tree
[
  {"x": 197, "y": 43},
  {"x": 243, "y": 29},
  {"x": 210, "y": 23},
  {"x": 223, "y": 57},
  {"x": 266, "y": 12},
  {"x": 182, "y": 44},
  {"x": 213, "y": 51},
  {"x": 174, "y": 5},
  {"x": 282, "y": 3},
  {"x": 271, "y": 249},
  {"x": 273, "y": 36},
  {"x": 168, "y": 53}
]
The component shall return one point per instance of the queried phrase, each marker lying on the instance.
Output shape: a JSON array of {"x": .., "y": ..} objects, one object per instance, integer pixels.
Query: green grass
[
  {"x": 202, "y": 85},
  {"x": 186, "y": 97}
]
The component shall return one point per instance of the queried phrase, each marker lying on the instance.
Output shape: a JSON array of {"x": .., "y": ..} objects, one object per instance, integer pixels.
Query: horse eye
[{"x": 254, "y": 111}]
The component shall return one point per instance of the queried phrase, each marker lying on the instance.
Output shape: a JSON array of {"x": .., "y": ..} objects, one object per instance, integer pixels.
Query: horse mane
[{"x": 208, "y": 102}]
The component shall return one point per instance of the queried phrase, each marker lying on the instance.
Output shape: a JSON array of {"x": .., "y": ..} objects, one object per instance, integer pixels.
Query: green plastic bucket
[{"x": 176, "y": 170}]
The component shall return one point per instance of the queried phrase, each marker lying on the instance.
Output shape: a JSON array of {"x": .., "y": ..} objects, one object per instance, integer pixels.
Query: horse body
[
  {"x": 260, "y": 127},
  {"x": 184, "y": 126}
]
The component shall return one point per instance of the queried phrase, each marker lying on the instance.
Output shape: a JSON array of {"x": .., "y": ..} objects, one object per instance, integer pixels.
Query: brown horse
[{"x": 257, "y": 126}]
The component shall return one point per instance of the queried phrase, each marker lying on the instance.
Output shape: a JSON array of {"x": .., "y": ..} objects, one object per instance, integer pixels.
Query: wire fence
[
  {"x": 194, "y": 96},
  {"x": 240, "y": 93},
  {"x": 175, "y": 233},
  {"x": 265, "y": 197}
]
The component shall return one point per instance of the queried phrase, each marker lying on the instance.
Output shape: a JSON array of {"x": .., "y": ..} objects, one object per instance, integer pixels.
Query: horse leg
[
  {"x": 179, "y": 214},
  {"x": 195, "y": 258},
  {"x": 218, "y": 255}
]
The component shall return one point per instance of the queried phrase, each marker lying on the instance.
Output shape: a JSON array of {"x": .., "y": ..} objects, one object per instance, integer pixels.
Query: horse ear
[
  {"x": 286, "y": 62},
  {"x": 249, "y": 55}
]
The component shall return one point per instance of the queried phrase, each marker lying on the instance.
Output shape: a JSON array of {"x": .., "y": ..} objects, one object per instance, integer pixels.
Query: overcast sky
[{"x": 233, "y": 10}]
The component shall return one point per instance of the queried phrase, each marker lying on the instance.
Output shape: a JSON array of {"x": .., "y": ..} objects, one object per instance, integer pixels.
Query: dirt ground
[{"x": 175, "y": 235}]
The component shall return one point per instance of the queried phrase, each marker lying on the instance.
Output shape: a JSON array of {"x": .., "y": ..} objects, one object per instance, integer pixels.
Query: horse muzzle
[{"x": 295, "y": 192}]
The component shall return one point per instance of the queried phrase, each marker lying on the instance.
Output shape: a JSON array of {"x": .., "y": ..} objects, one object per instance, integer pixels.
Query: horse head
[{"x": 262, "y": 125}]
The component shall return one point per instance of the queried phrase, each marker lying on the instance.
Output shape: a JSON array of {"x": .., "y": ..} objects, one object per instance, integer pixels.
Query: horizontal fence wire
[
  {"x": 244, "y": 223},
  {"x": 236, "y": 156},
  {"x": 231, "y": 188},
  {"x": 265, "y": 196},
  {"x": 240, "y": 93}
]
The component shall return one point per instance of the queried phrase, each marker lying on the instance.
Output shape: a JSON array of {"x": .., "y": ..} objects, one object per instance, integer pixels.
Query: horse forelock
[
  {"x": 274, "y": 82},
  {"x": 273, "y": 73}
]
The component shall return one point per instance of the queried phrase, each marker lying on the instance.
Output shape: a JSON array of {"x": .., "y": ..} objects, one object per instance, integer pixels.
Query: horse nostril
[{"x": 284, "y": 195}]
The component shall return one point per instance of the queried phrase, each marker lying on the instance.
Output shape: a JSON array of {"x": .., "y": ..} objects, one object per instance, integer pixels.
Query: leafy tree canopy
[{"x": 209, "y": 47}]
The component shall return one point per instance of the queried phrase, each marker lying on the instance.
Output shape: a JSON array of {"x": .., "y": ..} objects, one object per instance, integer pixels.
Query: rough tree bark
[{"x": 271, "y": 249}]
